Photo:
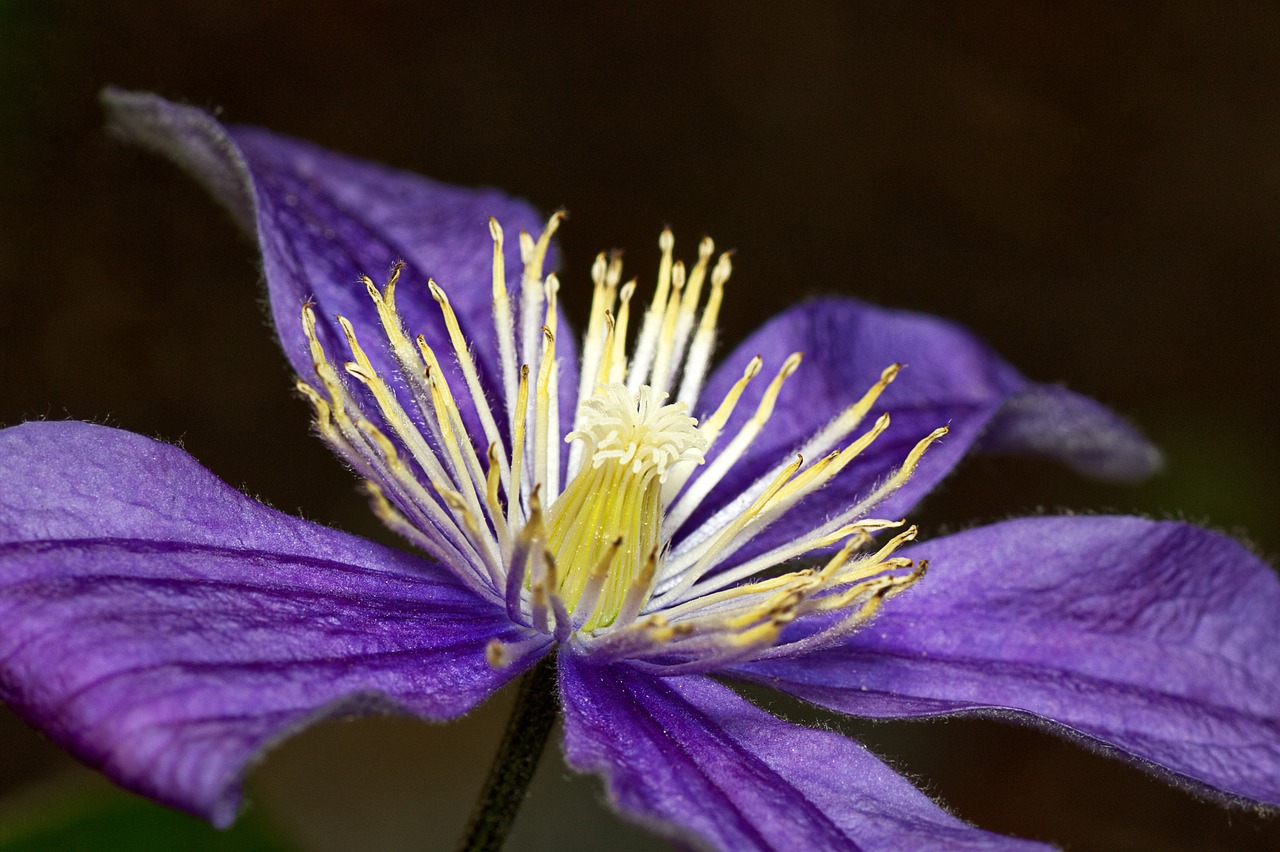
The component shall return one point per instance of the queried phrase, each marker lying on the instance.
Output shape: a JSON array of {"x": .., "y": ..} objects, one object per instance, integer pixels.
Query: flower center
[
  {"x": 608, "y": 521},
  {"x": 619, "y": 562}
]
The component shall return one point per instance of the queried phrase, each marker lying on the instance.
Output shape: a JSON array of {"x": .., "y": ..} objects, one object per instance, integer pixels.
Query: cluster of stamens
[{"x": 610, "y": 563}]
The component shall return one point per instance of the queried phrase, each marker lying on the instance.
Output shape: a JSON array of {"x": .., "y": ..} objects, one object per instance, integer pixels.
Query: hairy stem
[{"x": 530, "y": 724}]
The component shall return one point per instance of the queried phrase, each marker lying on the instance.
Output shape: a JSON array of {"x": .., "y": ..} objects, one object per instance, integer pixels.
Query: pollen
[{"x": 581, "y": 523}]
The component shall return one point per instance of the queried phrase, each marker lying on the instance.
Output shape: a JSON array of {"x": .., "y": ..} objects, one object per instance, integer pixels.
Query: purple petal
[
  {"x": 951, "y": 378},
  {"x": 1159, "y": 641},
  {"x": 689, "y": 757},
  {"x": 1045, "y": 420},
  {"x": 166, "y": 628},
  {"x": 323, "y": 219}
]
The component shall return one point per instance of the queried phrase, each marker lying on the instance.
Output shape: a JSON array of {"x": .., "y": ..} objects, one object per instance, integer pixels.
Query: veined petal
[
  {"x": 323, "y": 220},
  {"x": 689, "y": 757},
  {"x": 949, "y": 378},
  {"x": 1153, "y": 640},
  {"x": 166, "y": 628}
]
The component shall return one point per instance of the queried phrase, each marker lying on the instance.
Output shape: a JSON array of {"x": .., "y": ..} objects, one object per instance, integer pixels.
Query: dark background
[{"x": 1095, "y": 189}]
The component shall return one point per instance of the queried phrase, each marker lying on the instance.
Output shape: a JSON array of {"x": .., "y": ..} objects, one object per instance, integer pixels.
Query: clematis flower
[{"x": 648, "y": 520}]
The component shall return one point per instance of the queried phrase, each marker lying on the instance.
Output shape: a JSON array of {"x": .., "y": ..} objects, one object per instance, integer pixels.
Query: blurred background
[{"x": 1093, "y": 188}]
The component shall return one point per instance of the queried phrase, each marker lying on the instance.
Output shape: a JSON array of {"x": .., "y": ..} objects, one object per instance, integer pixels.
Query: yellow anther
[
  {"x": 693, "y": 288},
  {"x": 715, "y": 423},
  {"x": 606, "y": 358},
  {"x": 618, "y": 357},
  {"x": 450, "y": 318},
  {"x": 538, "y": 251},
  {"x": 389, "y": 293},
  {"x": 318, "y": 358},
  {"x": 585, "y": 608},
  {"x": 614, "y": 276},
  {"x": 492, "y": 483},
  {"x": 662, "y": 366},
  {"x": 542, "y": 408},
  {"x": 519, "y": 418},
  {"x": 551, "y": 287},
  {"x": 903, "y": 473},
  {"x": 385, "y": 448},
  {"x": 323, "y": 419},
  {"x": 495, "y": 654},
  {"x": 789, "y": 367},
  {"x": 499, "y": 276},
  {"x": 637, "y": 592},
  {"x": 761, "y": 635}
]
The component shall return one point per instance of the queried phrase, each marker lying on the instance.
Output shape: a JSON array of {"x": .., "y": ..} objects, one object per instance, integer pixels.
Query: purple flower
[{"x": 167, "y": 629}]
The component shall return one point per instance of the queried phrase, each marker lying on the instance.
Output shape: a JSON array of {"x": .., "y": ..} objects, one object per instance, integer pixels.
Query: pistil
[{"x": 611, "y": 512}]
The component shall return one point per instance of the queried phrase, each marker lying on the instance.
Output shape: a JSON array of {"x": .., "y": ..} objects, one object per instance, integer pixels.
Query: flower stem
[{"x": 530, "y": 724}]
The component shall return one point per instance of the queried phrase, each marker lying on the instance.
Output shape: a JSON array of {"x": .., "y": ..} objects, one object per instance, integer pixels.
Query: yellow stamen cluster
[{"x": 612, "y": 564}]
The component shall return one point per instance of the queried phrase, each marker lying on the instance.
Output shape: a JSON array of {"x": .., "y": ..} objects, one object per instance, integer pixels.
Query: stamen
[
  {"x": 859, "y": 531},
  {"x": 446, "y": 419},
  {"x": 461, "y": 454},
  {"x": 494, "y": 504},
  {"x": 503, "y": 325},
  {"x": 606, "y": 356},
  {"x": 501, "y": 654},
  {"x": 618, "y": 357},
  {"x": 662, "y": 364},
  {"x": 542, "y": 413},
  {"x": 469, "y": 373},
  {"x": 876, "y": 594},
  {"x": 599, "y": 568},
  {"x": 709, "y": 552},
  {"x": 398, "y": 523},
  {"x": 553, "y": 392},
  {"x": 638, "y": 593},
  {"x": 715, "y": 471},
  {"x": 354, "y": 439},
  {"x": 519, "y": 488},
  {"x": 695, "y": 369},
  {"x": 406, "y": 356},
  {"x": 590, "y": 595},
  {"x": 689, "y": 302},
  {"x": 531, "y": 287},
  {"x": 647, "y": 344},
  {"x": 394, "y": 474},
  {"x": 562, "y": 624},
  {"x": 517, "y": 570},
  {"x": 715, "y": 424},
  {"x": 848, "y": 420},
  {"x": 363, "y": 371},
  {"x": 821, "y": 473},
  {"x": 593, "y": 344},
  {"x": 890, "y": 485}
]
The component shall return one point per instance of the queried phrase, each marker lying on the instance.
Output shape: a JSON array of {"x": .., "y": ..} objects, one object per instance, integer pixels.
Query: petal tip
[
  {"x": 188, "y": 136},
  {"x": 1081, "y": 433}
]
